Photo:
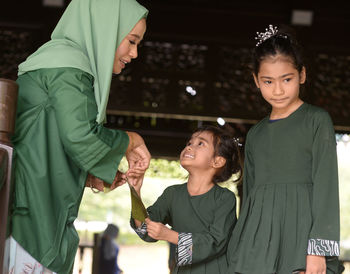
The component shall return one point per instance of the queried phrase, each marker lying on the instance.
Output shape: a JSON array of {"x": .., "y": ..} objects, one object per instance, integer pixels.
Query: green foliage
[{"x": 162, "y": 168}]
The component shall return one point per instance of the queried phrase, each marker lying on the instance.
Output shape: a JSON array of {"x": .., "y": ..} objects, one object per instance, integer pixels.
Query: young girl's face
[
  {"x": 127, "y": 50},
  {"x": 199, "y": 151},
  {"x": 279, "y": 82}
]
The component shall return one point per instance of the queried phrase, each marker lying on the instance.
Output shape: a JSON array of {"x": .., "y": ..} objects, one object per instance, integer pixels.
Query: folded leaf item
[{"x": 138, "y": 210}]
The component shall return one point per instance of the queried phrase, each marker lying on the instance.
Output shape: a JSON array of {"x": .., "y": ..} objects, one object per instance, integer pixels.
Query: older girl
[{"x": 289, "y": 222}]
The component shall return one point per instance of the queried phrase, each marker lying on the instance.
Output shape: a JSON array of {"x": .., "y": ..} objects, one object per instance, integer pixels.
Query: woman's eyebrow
[{"x": 135, "y": 35}]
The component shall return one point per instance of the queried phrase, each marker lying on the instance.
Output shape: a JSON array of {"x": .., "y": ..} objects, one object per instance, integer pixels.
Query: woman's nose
[{"x": 133, "y": 52}]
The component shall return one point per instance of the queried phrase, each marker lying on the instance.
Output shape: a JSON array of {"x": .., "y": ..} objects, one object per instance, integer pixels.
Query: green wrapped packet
[{"x": 138, "y": 210}]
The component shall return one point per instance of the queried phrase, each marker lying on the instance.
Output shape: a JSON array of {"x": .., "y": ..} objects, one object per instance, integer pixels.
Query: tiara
[
  {"x": 262, "y": 36},
  {"x": 236, "y": 140}
]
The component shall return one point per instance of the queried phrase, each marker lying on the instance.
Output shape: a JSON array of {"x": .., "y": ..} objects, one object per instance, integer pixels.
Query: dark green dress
[
  {"x": 57, "y": 142},
  {"x": 290, "y": 200},
  {"x": 210, "y": 218}
]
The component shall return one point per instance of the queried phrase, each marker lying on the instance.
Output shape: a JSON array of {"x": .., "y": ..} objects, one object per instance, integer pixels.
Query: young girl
[
  {"x": 201, "y": 213},
  {"x": 289, "y": 222}
]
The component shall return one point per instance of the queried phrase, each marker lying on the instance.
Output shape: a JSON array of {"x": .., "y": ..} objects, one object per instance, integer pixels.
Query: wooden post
[
  {"x": 96, "y": 253},
  {"x": 8, "y": 103}
]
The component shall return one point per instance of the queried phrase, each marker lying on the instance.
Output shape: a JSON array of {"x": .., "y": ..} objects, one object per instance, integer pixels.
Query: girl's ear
[
  {"x": 219, "y": 162},
  {"x": 256, "y": 80},
  {"x": 303, "y": 75}
]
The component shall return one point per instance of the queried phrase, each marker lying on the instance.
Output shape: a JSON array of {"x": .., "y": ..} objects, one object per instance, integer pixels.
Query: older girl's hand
[{"x": 315, "y": 264}]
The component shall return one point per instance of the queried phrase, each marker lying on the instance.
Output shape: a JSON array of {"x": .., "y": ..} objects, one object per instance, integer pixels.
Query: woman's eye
[
  {"x": 132, "y": 42},
  {"x": 287, "y": 79},
  {"x": 200, "y": 143},
  {"x": 267, "y": 82}
]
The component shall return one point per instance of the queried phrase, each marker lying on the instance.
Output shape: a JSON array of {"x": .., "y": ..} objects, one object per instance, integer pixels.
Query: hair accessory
[
  {"x": 236, "y": 140},
  {"x": 262, "y": 36}
]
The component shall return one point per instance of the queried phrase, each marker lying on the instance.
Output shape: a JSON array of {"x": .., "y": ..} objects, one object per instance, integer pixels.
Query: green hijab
[{"x": 86, "y": 37}]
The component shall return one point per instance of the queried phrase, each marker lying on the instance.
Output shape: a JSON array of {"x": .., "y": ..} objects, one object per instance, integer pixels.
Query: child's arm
[
  {"x": 158, "y": 231},
  {"x": 248, "y": 171},
  {"x": 324, "y": 234},
  {"x": 160, "y": 211},
  {"x": 197, "y": 247}
]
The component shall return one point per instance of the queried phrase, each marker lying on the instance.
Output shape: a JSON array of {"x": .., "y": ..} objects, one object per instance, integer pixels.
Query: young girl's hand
[
  {"x": 136, "y": 182},
  {"x": 158, "y": 231},
  {"x": 315, "y": 264}
]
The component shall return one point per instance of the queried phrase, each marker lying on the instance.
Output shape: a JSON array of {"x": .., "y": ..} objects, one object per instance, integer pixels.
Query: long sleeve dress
[
  {"x": 290, "y": 196},
  {"x": 57, "y": 141},
  {"x": 204, "y": 223}
]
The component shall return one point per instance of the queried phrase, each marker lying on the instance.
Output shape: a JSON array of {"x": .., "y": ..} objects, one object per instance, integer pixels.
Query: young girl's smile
[
  {"x": 199, "y": 151},
  {"x": 279, "y": 83}
]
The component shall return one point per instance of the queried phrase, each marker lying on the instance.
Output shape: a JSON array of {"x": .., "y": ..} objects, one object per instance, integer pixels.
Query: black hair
[
  {"x": 226, "y": 146},
  {"x": 284, "y": 43},
  {"x": 111, "y": 231}
]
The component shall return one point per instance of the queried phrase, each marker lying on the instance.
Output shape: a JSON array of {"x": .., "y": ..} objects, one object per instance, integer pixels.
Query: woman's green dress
[
  {"x": 57, "y": 141},
  {"x": 291, "y": 201}
]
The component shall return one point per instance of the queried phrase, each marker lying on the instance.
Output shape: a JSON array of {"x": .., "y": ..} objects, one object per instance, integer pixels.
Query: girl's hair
[
  {"x": 282, "y": 42},
  {"x": 226, "y": 146}
]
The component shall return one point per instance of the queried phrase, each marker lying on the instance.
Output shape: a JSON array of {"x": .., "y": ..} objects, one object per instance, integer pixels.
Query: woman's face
[{"x": 127, "y": 49}]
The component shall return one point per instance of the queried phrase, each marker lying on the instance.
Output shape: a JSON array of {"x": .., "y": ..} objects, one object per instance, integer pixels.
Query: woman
[{"x": 60, "y": 138}]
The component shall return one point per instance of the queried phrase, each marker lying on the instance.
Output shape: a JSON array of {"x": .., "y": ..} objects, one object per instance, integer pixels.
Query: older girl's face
[
  {"x": 279, "y": 82},
  {"x": 127, "y": 50}
]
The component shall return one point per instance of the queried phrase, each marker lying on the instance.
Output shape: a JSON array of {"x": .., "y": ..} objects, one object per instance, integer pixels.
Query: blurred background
[{"x": 194, "y": 68}]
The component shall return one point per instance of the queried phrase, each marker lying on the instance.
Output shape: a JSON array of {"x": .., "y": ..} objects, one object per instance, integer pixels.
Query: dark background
[{"x": 204, "y": 45}]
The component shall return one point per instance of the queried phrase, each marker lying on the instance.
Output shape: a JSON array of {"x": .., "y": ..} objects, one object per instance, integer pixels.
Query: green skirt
[{"x": 272, "y": 231}]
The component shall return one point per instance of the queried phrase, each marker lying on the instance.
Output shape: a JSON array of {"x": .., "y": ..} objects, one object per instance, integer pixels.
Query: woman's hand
[
  {"x": 137, "y": 155},
  {"x": 94, "y": 182},
  {"x": 119, "y": 179},
  {"x": 315, "y": 264}
]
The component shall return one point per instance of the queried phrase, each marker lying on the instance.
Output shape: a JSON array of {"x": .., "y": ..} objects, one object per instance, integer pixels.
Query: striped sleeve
[
  {"x": 322, "y": 247},
  {"x": 184, "y": 249}
]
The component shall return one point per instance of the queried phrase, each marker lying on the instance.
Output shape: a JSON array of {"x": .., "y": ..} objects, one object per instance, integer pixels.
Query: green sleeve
[
  {"x": 160, "y": 210},
  {"x": 91, "y": 146},
  {"x": 325, "y": 199},
  {"x": 213, "y": 243},
  {"x": 248, "y": 169}
]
